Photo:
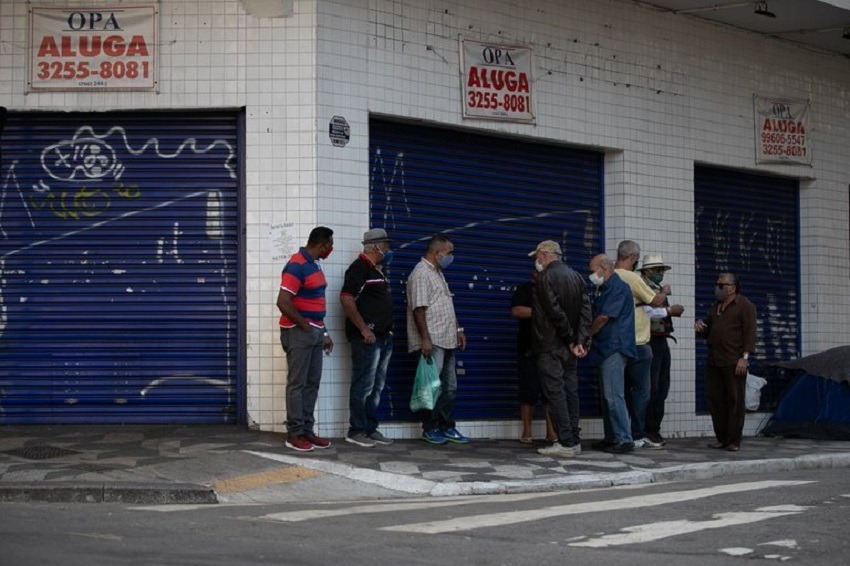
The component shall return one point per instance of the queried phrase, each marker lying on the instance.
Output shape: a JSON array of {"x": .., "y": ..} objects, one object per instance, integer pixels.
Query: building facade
[{"x": 145, "y": 229}]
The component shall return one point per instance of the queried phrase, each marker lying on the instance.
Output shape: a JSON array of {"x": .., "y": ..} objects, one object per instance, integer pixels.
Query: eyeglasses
[{"x": 721, "y": 285}]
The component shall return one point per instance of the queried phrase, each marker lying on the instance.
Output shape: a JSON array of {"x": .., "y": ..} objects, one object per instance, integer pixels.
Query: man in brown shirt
[{"x": 730, "y": 331}]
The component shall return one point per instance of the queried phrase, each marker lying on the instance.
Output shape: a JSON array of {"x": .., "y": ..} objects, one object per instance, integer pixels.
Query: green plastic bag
[{"x": 426, "y": 386}]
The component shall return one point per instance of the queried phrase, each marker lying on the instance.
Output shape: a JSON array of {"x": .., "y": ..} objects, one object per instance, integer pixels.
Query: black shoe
[
  {"x": 656, "y": 438},
  {"x": 603, "y": 444},
  {"x": 621, "y": 448}
]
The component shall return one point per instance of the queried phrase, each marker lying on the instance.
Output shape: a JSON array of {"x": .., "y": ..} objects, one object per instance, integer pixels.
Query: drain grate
[{"x": 40, "y": 452}]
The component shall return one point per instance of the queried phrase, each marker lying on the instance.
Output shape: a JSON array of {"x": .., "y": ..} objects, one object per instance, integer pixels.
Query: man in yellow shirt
[{"x": 637, "y": 376}]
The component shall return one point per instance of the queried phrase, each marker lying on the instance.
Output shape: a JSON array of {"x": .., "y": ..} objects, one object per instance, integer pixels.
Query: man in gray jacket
[{"x": 561, "y": 319}]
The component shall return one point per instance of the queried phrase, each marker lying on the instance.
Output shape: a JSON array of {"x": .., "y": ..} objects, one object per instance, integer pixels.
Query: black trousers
[
  {"x": 659, "y": 383},
  {"x": 725, "y": 392}
]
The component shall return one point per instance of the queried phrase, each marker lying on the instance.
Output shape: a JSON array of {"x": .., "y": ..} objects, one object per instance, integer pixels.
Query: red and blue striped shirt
[{"x": 304, "y": 279}]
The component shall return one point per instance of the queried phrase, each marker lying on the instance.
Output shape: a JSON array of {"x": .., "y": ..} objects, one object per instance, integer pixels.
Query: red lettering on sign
[
  {"x": 137, "y": 47},
  {"x": 787, "y": 126},
  {"x": 48, "y": 47},
  {"x": 497, "y": 79},
  {"x": 87, "y": 51},
  {"x": 114, "y": 46},
  {"x": 92, "y": 46}
]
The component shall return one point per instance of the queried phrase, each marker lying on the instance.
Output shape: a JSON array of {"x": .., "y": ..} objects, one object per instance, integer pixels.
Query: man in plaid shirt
[{"x": 433, "y": 330}]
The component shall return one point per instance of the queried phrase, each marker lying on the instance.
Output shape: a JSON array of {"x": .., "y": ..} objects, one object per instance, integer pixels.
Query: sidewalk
[{"x": 208, "y": 464}]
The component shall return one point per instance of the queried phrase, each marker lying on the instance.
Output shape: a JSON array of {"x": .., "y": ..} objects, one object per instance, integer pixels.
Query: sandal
[
  {"x": 526, "y": 440},
  {"x": 716, "y": 445},
  {"x": 733, "y": 448}
]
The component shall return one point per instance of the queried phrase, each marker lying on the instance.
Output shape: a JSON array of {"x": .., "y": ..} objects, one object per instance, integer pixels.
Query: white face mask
[
  {"x": 539, "y": 266},
  {"x": 596, "y": 279}
]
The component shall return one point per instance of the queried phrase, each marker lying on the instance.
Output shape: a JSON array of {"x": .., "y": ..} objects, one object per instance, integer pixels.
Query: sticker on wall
[
  {"x": 496, "y": 81},
  {"x": 782, "y": 131},
  {"x": 282, "y": 241},
  {"x": 339, "y": 131}
]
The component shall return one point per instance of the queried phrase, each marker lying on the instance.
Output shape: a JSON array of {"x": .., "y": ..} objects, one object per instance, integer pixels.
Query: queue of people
[{"x": 622, "y": 325}]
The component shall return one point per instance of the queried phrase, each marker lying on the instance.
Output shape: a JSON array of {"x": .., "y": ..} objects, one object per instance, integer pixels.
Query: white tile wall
[{"x": 657, "y": 92}]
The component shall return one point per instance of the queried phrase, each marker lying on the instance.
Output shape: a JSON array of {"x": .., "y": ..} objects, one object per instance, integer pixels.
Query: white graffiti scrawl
[{"x": 87, "y": 156}]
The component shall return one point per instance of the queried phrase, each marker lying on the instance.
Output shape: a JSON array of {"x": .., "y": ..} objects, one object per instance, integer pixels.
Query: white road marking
[
  {"x": 99, "y": 536},
  {"x": 635, "y": 502},
  {"x": 782, "y": 543},
  {"x": 172, "y": 507},
  {"x": 656, "y": 531},
  {"x": 736, "y": 551},
  {"x": 406, "y": 505}
]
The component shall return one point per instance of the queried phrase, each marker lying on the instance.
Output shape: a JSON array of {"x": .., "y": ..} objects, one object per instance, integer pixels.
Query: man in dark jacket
[{"x": 560, "y": 324}]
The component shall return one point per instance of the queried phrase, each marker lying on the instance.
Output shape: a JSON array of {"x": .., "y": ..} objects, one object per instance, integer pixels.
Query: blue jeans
[
  {"x": 368, "y": 374},
  {"x": 304, "y": 361},
  {"x": 441, "y": 417},
  {"x": 615, "y": 415},
  {"x": 637, "y": 389}
]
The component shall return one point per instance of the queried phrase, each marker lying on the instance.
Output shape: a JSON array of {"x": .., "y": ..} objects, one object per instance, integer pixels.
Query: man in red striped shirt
[{"x": 303, "y": 335}]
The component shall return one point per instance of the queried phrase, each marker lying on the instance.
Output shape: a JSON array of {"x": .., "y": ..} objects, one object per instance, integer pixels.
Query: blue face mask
[
  {"x": 446, "y": 261},
  {"x": 388, "y": 257}
]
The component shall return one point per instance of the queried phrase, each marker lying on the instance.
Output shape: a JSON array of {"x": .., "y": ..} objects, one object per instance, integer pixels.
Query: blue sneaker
[
  {"x": 433, "y": 436},
  {"x": 452, "y": 435}
]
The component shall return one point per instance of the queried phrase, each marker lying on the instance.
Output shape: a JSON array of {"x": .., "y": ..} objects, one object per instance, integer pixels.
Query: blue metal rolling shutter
[
  {"x": 497, "y": 198},
  {"x": 118, "y": 242},
  {"x": 749, "y": 225}
]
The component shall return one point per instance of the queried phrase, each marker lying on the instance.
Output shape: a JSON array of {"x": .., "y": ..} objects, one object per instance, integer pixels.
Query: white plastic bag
[{"x": 753, "y": 396}]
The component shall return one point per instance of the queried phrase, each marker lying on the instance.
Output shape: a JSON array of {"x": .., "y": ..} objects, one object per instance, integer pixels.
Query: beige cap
[{"x": 548, "y": 246}]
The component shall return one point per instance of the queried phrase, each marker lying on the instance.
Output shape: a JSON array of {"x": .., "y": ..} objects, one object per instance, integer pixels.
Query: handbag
[{"x": 426, "y": 385}]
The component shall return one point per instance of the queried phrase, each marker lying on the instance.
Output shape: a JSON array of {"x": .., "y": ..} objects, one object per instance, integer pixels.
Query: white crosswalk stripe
[
  {"x": 467, "y": 523},
  {"x": 664, "y": 529},
  {"x": 406, "y": 505}
]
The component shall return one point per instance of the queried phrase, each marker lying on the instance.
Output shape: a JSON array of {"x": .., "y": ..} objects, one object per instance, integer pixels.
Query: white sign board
[
  {"x": 102, "y": 47},
  {"x": 782, "y": 131},
  {"x": 496, "y": 81}
]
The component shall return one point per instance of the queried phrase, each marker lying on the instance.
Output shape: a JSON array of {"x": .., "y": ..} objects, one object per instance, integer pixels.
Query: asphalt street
[{"x": 797, "y": 517}]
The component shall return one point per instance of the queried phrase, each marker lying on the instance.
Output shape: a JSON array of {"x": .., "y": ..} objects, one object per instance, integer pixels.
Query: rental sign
[
  {"x": 782, "y": 131},
  {"x": 102, "y": 48},
  {"x": 496, "y": 81}
]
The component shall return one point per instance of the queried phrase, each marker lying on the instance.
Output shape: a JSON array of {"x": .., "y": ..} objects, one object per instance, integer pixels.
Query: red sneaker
[
  {"x": 317, "y": 441},
  {"x": 299, "y": 443}
]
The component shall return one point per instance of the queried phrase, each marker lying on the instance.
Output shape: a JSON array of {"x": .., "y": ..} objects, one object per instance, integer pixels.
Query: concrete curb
[
  {"x": 706, "y": 470},
  {"x": 129, "y": 493},
  {"x": 395, "y": 482}
]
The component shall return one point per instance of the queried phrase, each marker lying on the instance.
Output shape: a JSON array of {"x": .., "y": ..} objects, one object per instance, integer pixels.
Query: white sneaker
[
  {"x": 639, "y": 443},
  {"x": 559, "y": 451},
  {"x": 647, "y": 443}
]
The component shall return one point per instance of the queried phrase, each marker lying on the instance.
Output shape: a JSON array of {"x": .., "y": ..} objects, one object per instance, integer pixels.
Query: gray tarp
[{"x": 832, "y": 364}]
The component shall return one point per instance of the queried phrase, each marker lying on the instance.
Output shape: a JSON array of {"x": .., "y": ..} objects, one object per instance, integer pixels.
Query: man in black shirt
[
  {"x": 368, "y": 307},
  {"x": 526, "y": 362}
]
